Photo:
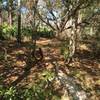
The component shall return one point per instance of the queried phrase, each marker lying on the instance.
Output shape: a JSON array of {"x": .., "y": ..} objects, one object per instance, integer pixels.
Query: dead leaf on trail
[
  {"x": 85, "y": 69},
  {"x": 84, "y": 47},
  {"x": 97, "y": 82},
  {"x": 20, "y": 63},
  {"x": 49, "y": 66},
  {"x": 43, "y": 42},
  {"x": 18, "y": 52}
]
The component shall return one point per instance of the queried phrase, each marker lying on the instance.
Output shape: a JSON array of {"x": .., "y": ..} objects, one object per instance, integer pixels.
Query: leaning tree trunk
[
  {"x": 72, "y": 42},
  {"x": 73, "y": 39}
]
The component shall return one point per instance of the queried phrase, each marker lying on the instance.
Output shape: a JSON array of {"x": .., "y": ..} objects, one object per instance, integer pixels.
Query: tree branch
[
  {"x": 54, "y": 17},
  {"x": 46, "y": 22}
]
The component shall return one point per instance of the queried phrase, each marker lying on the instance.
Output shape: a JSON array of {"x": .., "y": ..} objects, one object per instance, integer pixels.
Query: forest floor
[{"x": 16, "y": 70}]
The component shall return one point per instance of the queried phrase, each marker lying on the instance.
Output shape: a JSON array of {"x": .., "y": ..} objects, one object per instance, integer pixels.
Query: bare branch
[
  {"x": 71, "y": 14},
  {"x": 46, "y": 22},
  {"x": 54, "y": 17}
]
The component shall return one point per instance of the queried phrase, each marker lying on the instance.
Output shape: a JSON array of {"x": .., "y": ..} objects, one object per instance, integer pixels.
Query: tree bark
[
  {"x": 19, "y": 24},
  {"x": 0, "y": 17},
  {"x": 10, "y": 17},
  {"x": 19, "y": 28},
  {"x": 10, "y": 12}
]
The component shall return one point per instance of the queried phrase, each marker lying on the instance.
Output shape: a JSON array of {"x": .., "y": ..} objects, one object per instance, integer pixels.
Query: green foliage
[
  {"x": 10, "y": 93},
  {"x": 48, "y": 75},
  {"x": 41, "y": 90},
  {"x": 42, "y": 32},
  {"x": 7, "y": 93},
  {"x": 2, "y": 91},
  {"x": 45, "y": 34},
  {"x": 1, "y": 33},
  {"x": 26, "y": 31},
  {"x": 8, "y": 31},
  {"x": 2, "y": 56},
  {"x": 64, "y": 49}
]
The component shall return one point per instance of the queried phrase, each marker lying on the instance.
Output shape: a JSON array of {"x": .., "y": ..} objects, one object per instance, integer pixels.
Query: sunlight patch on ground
[
  {"x": 84, "y": 47},
  {"x": 43, "y": 42},
  {"x": 18, "y": 52},
  {"x": 20, "y": 63}
]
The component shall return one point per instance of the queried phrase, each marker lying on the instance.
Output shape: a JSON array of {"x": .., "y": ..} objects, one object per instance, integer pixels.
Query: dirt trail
[{"x": 85, "y": 67}]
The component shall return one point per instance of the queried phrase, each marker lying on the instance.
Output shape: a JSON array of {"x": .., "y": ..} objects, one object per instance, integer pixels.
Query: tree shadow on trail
[
  {"x": 18, "y": 65},
  {"x": 27, "y": 70},
  {"x": 91, "y": 68},
  {"x": 89, "y": 62}
]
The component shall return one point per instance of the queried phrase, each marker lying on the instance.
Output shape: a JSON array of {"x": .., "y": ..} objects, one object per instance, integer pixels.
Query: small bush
[
  {"x": 9, "y": 31},
  {"x": 26, "y": 31},
  {"x": 64, "y": 49},
  {"x": 41, "y": 90}
]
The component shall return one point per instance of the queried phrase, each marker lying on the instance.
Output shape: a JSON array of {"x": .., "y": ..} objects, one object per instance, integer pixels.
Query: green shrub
[
  {"x": 45, "y": 34},
  {"x": 64, "y": 49},
  {"x": 7, "y": 93},
  {"x": 9, "y": 31},
  {"x": 41, "y": 90},
  {"x": 26, "y": 31},
  {"x": 2, "y": 57},
  {"x": 10, "y": 93}
]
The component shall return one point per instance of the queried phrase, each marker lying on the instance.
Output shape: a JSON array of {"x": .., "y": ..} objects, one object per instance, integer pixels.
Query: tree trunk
[
  {"x": 1, "y": 34},
  {"x": 0, "y": 17},
  {"x": 19, "y": 24},
  {"x": 19, "y": 28},
  {"x": 10, "y": 12},
  {"x": 10, "y": 17}
]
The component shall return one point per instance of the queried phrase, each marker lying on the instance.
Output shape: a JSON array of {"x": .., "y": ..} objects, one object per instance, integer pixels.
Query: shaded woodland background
[{"x": 49, "y": 49}]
